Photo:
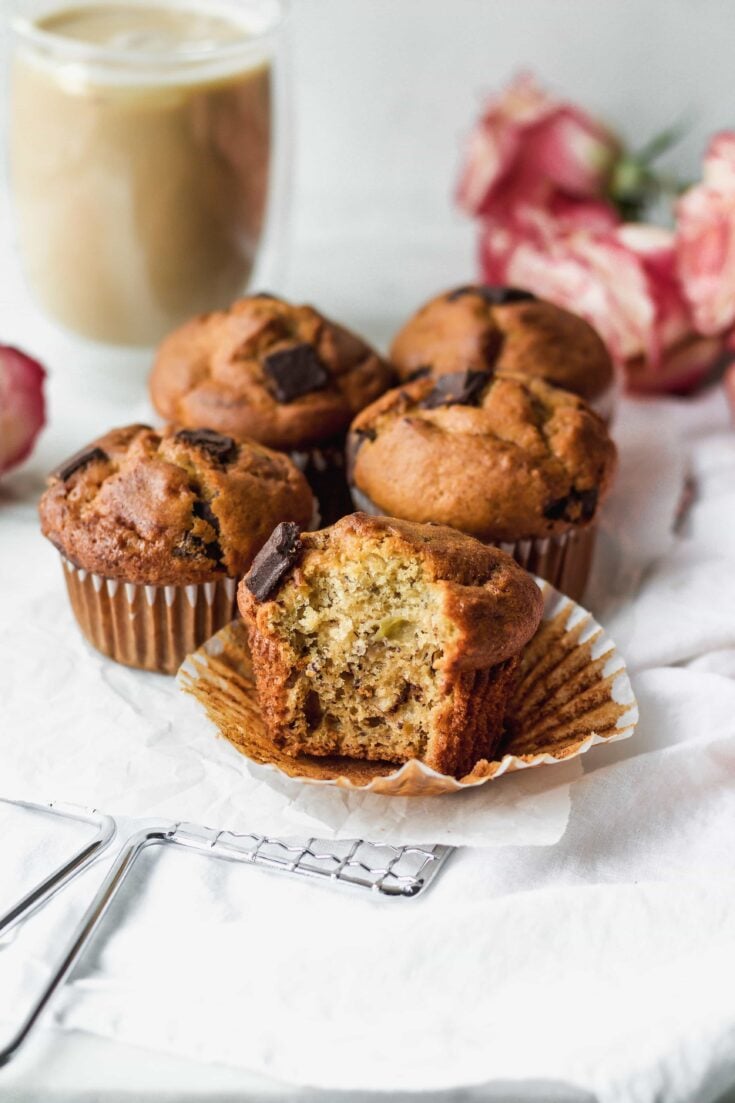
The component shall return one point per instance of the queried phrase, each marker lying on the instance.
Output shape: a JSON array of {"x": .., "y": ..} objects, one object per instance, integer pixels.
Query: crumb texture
[{"x": 390, "y": 642}]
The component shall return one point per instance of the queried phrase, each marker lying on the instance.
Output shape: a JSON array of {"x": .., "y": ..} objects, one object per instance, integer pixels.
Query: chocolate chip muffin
[
  {"x": 386, "y": 640},
  {"x": 507, "y": 329},
  {"x": 156, "y": 527},
  {"x": 506, "y": 458},
  {"x": 280, "y": 374}
]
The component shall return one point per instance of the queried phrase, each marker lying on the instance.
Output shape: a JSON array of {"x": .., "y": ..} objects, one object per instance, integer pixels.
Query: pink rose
[
  {"x": 622, "y": 279},
  {"x": 587, "y": 271},
  {"x": 22, "y": 407},
  {"x": 705, "y": 239},
  {"x": 528, "y": 146}
]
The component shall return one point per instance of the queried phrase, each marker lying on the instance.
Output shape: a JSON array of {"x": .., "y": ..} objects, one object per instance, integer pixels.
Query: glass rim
[{"x": 26, "y": 30}]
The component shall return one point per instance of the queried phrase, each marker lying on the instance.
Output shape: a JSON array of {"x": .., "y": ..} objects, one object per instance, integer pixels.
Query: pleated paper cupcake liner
[
  {"x": 572, "y": 693},
  {"x": 564, "y": 560},
  {"x": 150, "y": 627}
]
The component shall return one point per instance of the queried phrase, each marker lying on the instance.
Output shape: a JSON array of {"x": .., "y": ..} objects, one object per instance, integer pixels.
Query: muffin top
[
  {"x": 502, "y": 457},
  {"x": 171, "y": 507},
  {"x": 481, "y": 584},
  {"x": 284, "y": 375},
  {"x": 508, "y": 329}
]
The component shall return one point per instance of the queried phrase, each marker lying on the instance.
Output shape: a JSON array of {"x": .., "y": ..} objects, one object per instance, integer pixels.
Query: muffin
[
  {"x": 280, "y": 374},
  {"x": 386, "y": 640},
  {"x": 155, "y": 529},
  {"x": 505, "y": 328},
  {"x": 506, "y": 458}
]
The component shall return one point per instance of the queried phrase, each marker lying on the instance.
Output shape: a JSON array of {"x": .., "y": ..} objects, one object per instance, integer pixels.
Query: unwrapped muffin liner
[
  {"x": 572, "y": 693},
  {"x": 150, "y": 627},
  {"x": 564, "y": 560}
]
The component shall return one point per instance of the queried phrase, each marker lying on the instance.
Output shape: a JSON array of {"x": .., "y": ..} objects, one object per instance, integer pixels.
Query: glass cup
[{"x": 146, "y": 167}]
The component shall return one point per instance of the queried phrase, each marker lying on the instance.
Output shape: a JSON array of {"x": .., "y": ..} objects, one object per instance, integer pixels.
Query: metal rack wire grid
[{"x": 392, "y": 871}]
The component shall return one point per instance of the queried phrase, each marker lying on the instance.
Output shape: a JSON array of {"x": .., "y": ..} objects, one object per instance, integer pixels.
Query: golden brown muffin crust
[
  {"x": 223, "y": 370},
  {"x": 495, "y": 603},
  {"x": 171, "y": 507},
  {"x": 524, "y": 460},
  {"x": 468, "y": 328}
]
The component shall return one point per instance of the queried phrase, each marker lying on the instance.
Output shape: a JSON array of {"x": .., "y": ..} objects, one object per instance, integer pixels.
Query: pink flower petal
[
  {"x": 528, "y": 146},
  {"x": 22, "y": 407}
]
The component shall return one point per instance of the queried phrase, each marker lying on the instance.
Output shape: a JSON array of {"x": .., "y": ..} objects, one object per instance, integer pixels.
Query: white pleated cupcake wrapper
[
  {"x": 150, "y": 627},
  {"x": 203, "y": 591},
  {"x": 205, "y": 671}
]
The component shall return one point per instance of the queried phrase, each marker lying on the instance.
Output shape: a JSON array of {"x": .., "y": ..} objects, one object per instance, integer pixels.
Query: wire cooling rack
[{"x": 393, "y": 872}]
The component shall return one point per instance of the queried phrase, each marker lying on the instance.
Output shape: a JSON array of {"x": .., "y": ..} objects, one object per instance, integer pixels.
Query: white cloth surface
[{"x": 597, "y": 968}]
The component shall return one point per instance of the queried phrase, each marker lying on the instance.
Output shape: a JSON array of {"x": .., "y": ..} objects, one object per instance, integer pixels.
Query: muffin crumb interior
[{"x": 367, "y": 647}]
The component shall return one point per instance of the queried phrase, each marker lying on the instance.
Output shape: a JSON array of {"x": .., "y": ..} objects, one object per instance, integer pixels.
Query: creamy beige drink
[{"x": 140, "y": 144}]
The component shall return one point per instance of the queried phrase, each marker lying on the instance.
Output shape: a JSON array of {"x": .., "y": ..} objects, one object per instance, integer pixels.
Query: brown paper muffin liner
[
  {"x": 150, "y": 627},
  {"x": 572, "y": 693},
  {"x": 564, "y": 560},
  {"x": 325, "y": 472}
]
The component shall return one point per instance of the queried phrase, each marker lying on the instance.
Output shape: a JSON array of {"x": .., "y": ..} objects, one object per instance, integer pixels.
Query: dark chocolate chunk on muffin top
[
  {"x": 273, "y": 561},
  {"x": 519, "y": 459},
  {"x": 493, "y": 296},
  {"x": 508, "y": 329},
  {"x": 269, "y": 370},
  {"x": 170, "y": 508},
  {"x": 218, "y": 447}
]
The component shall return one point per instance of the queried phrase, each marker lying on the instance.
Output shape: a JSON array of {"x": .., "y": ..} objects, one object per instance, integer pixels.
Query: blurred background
[{"x": 385, "y": 92}]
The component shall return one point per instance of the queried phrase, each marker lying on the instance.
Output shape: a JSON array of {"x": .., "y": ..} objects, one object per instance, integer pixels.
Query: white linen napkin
[{"x": 599, "y": 965}]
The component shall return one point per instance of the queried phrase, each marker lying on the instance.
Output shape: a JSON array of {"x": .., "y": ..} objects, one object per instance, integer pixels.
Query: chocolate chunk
[
  {"x": 355, "y": 441},
  {"x": 556, "y": 509},
  {"x": 193, "y": 547},
  {"x": 274, "y": 560},
  {"x": 203, "y": 510},
  {"x": 79, "y": 460},
  {"x": 588, "y": 501},
  {"x": 218, "y": 447},
  {"x": 419, "y": 373},
  {"x": 577, "y": 505},
  {"x": 295, "y": 371},
  {"x": 493, "y": 296},
  {"x": 264, "y": 295},
  {"x": 462, "y": 388},
  {"x": 492, "y": 346}
]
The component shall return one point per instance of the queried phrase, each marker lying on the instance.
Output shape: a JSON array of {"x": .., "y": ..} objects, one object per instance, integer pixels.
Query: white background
[{"x": 385, "y": 91}]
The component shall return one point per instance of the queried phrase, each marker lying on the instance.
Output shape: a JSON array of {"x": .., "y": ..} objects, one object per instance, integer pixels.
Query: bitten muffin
[
  {"x": 505, "y": 328},
  {"x": 385, "y": 640},
  {"x": 155, "y": 528},
  {"x": 280, "y": 374},
  {"x": 506, "y": 458}
]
